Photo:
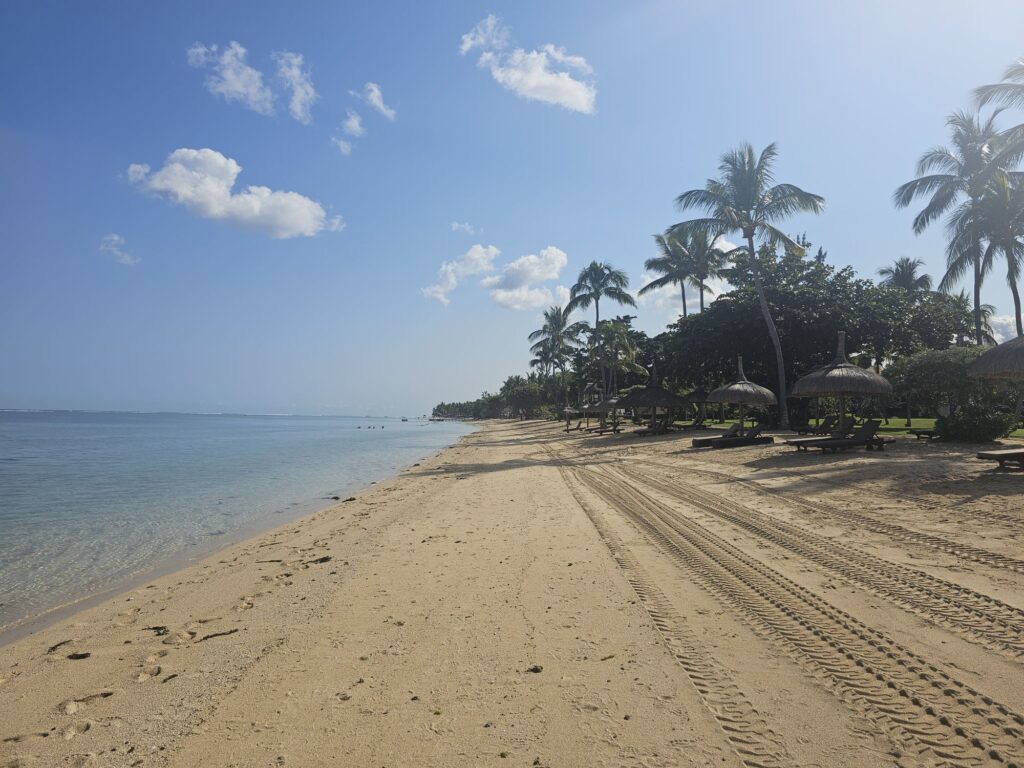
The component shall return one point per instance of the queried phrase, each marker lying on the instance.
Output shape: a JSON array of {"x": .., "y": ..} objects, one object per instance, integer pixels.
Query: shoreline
[{"x": 30, "y": 625}]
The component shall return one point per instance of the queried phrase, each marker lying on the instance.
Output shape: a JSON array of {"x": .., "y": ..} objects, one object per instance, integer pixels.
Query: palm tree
[
  {"x": 557, "y": 338},
  {"x": 692, "y": 258},
  {"x": 945, "y": 174},
  {"x": 998, "y": 218},
  {"x": 673, "y": 264},
  {"x": 903, "y": 274},
  {"x": 595, "y": 282},
  {"x": 1009, "y": 94},
  {"x": 746, "y": 198}
]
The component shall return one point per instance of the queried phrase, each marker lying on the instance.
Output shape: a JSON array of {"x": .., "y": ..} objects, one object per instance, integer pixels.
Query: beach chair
[
  {"x": 1004, "y": 457},
  {"x": 705, "y": 442},
  {"x": 926, "y": 434},
  {"x": 824, "y": 428},
  {"x": 660, "y": 427},
  {"x": 752, "y": 436},
  {"x": 698, "y": 423},
  {"x": 863, "y": 437}
]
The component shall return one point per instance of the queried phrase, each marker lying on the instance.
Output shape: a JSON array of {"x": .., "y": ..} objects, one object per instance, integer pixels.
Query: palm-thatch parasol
[
  {"x": 742, "y": 392},
  {"x": 653, "y": 396},
  {"x": 1003, "y": 361},
  {"x": 841, "y": 378}
]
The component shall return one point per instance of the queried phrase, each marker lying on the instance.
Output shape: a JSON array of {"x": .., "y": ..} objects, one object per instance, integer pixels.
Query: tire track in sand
[
  {"x": 892, "y": 530},
  {"x": 755, "y": 743},
  {"x": 976, "y": 616},
  {"x": 922, "y": 708}
]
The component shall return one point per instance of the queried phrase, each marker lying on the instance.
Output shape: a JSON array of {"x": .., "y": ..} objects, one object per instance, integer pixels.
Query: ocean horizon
[{"x": 90, "y": 500}]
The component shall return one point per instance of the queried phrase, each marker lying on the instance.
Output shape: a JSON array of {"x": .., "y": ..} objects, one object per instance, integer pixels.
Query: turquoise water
[{"x": 90, "y": 500}]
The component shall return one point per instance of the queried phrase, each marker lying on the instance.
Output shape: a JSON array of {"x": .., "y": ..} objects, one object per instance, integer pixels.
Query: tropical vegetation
[{"x": 772, "y": 289}]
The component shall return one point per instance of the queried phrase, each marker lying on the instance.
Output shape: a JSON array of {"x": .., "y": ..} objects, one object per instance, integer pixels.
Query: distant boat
[{"x": 404, "y": 418}]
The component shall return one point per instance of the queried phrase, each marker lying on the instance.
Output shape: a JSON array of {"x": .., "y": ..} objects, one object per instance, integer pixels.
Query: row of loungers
[
  {"x": 865, "y": 436},
  {"x": 735, "y": 437}
]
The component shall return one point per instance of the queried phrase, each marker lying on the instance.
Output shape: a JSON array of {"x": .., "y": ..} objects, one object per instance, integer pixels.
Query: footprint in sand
[
  {"x": 71, "y": 706},
  {"x": 77, "y": 729},
  {"x": 148, "y": 673}
]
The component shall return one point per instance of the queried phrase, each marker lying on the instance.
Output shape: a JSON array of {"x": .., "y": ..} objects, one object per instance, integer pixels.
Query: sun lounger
[
  {"x": 928, "y": 434},
  {"x": 752, "y": 437},
  {"x": 698, "y": 423},
  {"x": 705, "y": 442},
  {"x": 660, "y": 427},
  {"x": 1004, "y": 457},
  {"x": 824, "y": 428},
  {"x": 863, "y": 437}
]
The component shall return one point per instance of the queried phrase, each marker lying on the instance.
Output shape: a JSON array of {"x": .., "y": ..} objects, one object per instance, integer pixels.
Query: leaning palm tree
[
  {"x": 673, "y": 263},
  {"x": 902, "y": 273},
  {"x": 998, "y": 218},
  {"x": 597, "y": 281},
  {"x": 960, "y": 172},
  {"x": 746, "y": 198}
]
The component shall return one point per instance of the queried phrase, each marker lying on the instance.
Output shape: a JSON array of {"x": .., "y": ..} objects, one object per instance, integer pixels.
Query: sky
[{"x": 363, "y": 208}]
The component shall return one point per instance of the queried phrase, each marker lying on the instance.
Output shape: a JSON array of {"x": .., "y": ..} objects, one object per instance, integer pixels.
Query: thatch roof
[
  {"x": 1004, "y": 361},
  {"x": 602, "y": 407},
  {"x": 742, "y": 391},
  {"x": 841, "y": 377},
  {"x": 699, "y": 395},
  {"x": 652, "y": 396}
]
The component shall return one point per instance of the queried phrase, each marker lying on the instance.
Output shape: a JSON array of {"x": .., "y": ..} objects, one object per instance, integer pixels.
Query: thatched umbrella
[
  {"x": 742, "y": 392},
  {"x": 653, "y": 396},
  {"x": 841, "y": 378},
  {"x": 1003, "y": 361}
]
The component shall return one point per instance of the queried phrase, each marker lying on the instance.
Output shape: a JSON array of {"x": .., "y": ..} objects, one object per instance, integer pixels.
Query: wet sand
[{"x": 531, "y": 598}]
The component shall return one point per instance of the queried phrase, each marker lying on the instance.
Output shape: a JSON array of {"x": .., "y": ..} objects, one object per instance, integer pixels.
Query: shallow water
[{"x": 88, "y": 500}]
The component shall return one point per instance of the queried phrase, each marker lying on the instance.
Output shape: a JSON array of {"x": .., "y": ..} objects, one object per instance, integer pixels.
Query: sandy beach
[{"x": 529, "y": 598}]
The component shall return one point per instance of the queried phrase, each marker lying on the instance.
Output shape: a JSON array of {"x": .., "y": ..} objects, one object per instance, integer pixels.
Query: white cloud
[
  {"x": 232, "y": 77},
  {"x": 345, "y": 147},
  {"x": 476, "y": 261},
  {"x": 549, "y": 75},
  {"x": 515, "y": 287},
  {"x": 1004, "y": 327},
  {"x": 202, "y": 181},
  {"x": 562, "y": 295},
  {"x": 373, "y": 96},
  {"x": 464, "y": 226},
  {"x": 490, "y": 35},
  {"x": 299, "y": 82},
  {"x": 353, "y": 124},
  {"x": 114, "y": 245}
]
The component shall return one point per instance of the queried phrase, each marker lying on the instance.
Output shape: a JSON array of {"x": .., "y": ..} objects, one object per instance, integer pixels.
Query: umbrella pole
[{"x": 741, "y": 418}]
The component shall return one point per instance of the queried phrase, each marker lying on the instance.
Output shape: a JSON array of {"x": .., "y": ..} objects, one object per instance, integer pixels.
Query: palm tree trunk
[
  {"x": 682, "y": 289},
  {"x": 1016, "y": 307},
  {"x": 702, "y": 296},
  {"x": 773, "y": 332},
  {"x": 976, "y": 258},
  {"x": 600, "y": 345}
]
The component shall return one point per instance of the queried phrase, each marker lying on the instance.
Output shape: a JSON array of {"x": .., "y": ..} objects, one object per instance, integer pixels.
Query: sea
[{"x": 91, "y": 502}]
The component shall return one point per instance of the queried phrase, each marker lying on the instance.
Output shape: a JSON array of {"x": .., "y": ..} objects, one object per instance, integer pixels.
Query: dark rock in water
[
  {"x": 336, "y": 498},
  {"x": 350, "y": 498}
]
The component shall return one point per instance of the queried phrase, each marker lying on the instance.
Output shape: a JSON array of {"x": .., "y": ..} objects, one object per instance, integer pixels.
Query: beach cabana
[
  {"x": 653, "y": 396},
  {"x": 1004, "y": 361},
  {"x": 742, "y": 392},
  {"x": 841, "y": 378}
]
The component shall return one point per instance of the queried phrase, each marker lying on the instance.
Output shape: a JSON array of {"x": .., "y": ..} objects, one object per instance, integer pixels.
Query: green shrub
[{"x": 975, "y": 422}]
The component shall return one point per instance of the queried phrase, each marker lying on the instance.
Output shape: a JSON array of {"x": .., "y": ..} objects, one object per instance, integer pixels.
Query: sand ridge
[{"x": 534, "y": 598}]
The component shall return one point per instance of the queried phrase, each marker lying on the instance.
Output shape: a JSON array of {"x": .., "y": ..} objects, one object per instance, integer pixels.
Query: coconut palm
[
  {"x": 747, "y": 199},
  {"x": 1009, "y": 93},
  {"x": 673, "y": 263},
  {"x": 555, "y": 341},
  {"x": 902, "y": 273},
  {"x": 708, "y": 260},
  {"x": 597, "y": 281},
  {"x": 960, "y": 172},
  {"x": 998, "y": 218}
]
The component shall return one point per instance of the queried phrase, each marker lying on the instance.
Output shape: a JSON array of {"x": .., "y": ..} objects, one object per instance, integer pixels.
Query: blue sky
[{"x": 264, "y": 302}]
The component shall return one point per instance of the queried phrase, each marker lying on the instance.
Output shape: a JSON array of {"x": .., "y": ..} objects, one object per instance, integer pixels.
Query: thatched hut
[
  {"x": 742, "y": 392},
  {"x": 1004, "y": 361},
  {"x": 841, "y": 378}
]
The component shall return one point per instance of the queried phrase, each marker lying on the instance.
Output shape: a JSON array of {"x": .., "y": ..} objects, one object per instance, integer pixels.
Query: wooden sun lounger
[
  {"x": 824, "y": 428},
  {"x": 697, "y": 424},
  {"x": 863, "y": 437},
  {"x": 929, "y": 434},
  {"x": 1004, "y": 457},
  {"x": 752, "y": 437},
  {"x": 705, "y": 442}
]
